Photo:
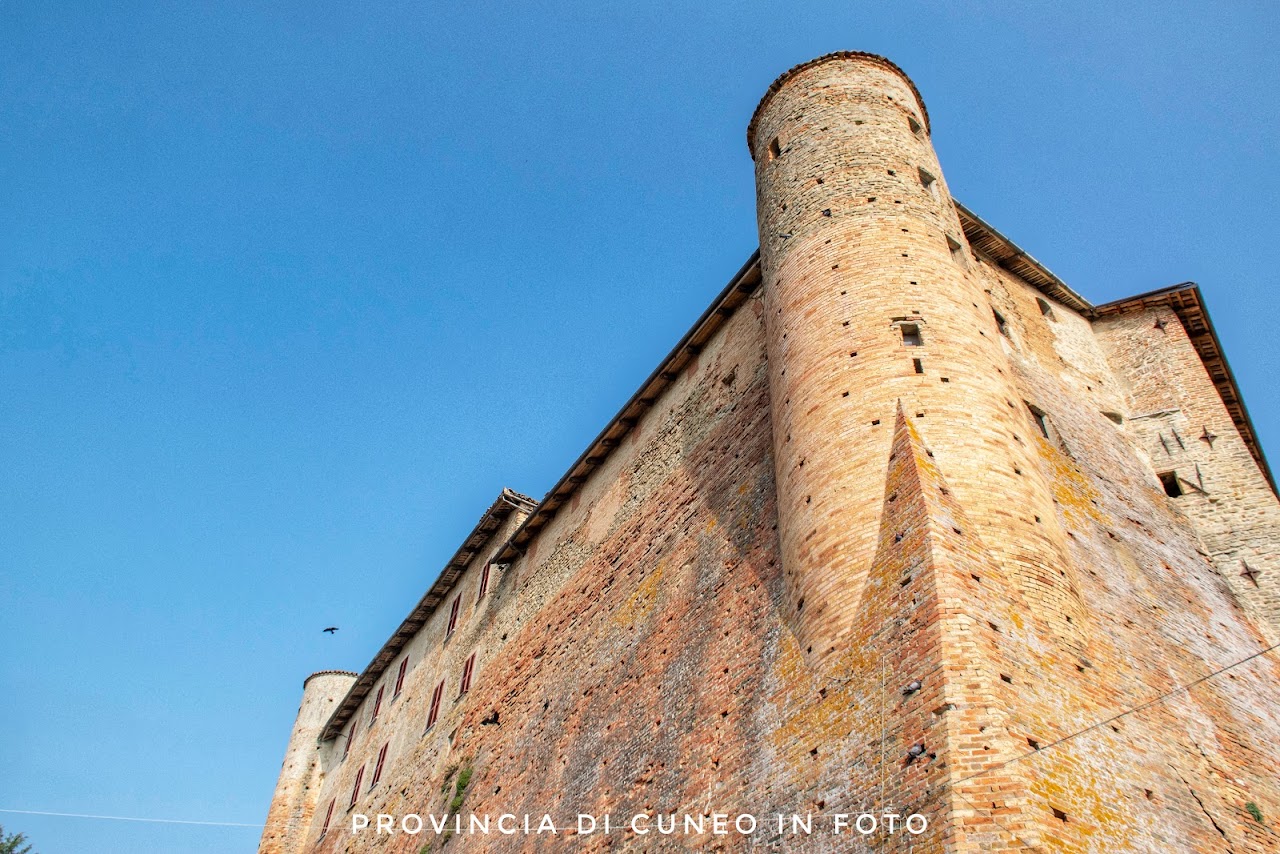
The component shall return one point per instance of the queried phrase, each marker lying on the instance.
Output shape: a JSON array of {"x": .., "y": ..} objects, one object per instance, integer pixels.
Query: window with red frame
[
  {"x": 377, "y": 769},
  {"x": 436, "y": 696},
  {"x": 466, "y": 674},
  {"x": 404, "y": 667},
  {"x": 453, "y": 615},
  {"x": 484, "y": 581},
  {"x": 355, "y": 790},
  {"x": 377, "y": 705},
  {"x": 328, "y": 816},
  {"x": 351, "y": 736}
]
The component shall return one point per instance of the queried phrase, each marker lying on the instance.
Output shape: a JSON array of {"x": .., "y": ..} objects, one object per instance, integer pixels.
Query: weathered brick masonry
[{"x": 886, "y": 532}]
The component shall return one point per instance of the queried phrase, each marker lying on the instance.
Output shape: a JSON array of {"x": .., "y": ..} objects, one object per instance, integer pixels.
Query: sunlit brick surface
[{"x": 731, "y": 612}]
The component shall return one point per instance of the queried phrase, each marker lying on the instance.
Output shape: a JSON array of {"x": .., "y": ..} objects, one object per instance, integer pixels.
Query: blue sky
[{"x": 289, "y": 291}]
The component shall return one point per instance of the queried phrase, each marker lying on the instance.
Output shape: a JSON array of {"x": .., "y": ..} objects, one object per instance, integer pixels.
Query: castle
[{"x": 902, "y": 526}]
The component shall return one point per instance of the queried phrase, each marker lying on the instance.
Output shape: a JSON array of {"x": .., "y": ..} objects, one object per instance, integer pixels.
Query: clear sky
[{"x": 289, "y": 291}]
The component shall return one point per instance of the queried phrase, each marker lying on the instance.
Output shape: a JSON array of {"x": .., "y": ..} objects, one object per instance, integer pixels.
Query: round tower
[
  {"x": 870, "y": 300},
  {"x": 294, "y": 801}
]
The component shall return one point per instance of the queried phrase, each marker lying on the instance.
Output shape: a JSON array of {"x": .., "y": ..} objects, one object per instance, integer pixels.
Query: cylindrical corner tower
[
  {"x": 294, "y": 801},
  {"x": 869, "y": 301}
]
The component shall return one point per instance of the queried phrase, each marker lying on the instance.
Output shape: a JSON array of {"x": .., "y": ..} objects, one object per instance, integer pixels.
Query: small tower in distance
[{"x": 294, "y": 803}]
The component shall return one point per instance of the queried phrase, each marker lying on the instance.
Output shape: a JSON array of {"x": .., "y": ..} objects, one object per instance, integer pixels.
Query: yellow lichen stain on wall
[
  {"x": 811, "y": 717},
  {"x": 1071, "y": 489},
  {"x": 1088, "y": 811},
  {"x": 642, "y": 602}
]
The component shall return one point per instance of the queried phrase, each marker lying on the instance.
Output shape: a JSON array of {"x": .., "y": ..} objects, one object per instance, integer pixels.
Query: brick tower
[
  {"x": 870, "y": 301},
  {"x": 294, "y": 802},
  {"x": 935, "y": 532}
]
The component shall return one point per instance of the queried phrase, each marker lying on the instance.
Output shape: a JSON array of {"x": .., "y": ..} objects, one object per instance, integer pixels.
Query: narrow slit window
[
  {"x": 434, "y": 713},
  {"x": 355, "y": 790},
  {"x": 911, "y": 334},
  {"x": 377, "y": 768},
  {"x": 453, "y": 616},
  {"x": 1172, "y": 486},
  {"x": 351, "y": 736},
  {"x": 918, "y": 365},
  {"x": 1041, "y": 420},
  {"x": 917, "y": 129},
  {"x": 467, "y": 670},
  {"x": 404, "y": 668},
  {"x": 775, "y": 149},
  {"x": 1001, "y": 323},
  {"x": 377, "y": 705},
  {"x": 484, "y": 581},
  {"x": 1045, "y": 308}
]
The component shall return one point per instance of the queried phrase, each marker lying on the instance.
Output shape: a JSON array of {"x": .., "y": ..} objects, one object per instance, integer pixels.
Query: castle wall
[
  {"x": 691, "y": 634},
  {"x": 604, "y": 650},
  {"x": 1178, "y": 419},
  {"x": 1178, "y": 775},
  {"x": 631, "y": 655},
  {"x": 401, "y": 724}
]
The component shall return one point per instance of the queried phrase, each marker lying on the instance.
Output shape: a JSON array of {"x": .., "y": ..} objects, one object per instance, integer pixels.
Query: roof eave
[
  {"x": 1187, "y": 303},
  {"x": 983, "y": 237},
  {"x": 507, "y": 502},
  {"x": 734, "y": 294}
]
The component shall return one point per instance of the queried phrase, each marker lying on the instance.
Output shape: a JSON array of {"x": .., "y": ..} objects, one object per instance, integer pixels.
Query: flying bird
[{"x": 331, "y": 629}]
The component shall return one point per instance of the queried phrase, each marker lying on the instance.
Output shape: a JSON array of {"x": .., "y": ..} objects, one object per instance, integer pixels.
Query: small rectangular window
[
  {"x": 434, "y": 712},
  {"x": 917, "y": 129},
  {"x": 775, "y": 149},
  {"x": 918, "y": 365},
  {"x": 328, "y": 817},
  {"x": 929, "y": 182},
  {"x": 1172, "y": 486},
  {"x": 377, "y": 768},
  {"x": 377, "y": 705},
  {"x": 911, "y": 335},
  {"x": 1001, "y": 323},
  {"x": 466, "y": 674},
  {"x": 404, "y": 667},
  {"x": 355, "y": 790},
  {"x": 1045, "y": 308},
  {"x": 484, "y": 581},
  {"x": 957, "y": 250}
]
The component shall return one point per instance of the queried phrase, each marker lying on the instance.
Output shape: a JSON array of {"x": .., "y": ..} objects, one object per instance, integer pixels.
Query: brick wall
[
  {"x": 689, "y": 634},
  {"x": 1178, "y": 419}
]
